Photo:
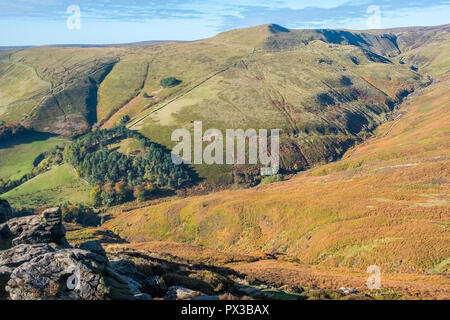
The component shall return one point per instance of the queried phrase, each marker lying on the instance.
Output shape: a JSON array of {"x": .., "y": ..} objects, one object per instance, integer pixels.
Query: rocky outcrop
[
  {"x": 6, "y": 212},
  {"x": 73, "y": 274},
  {"x": 16, "y": 256},
  {"x": 64, "y": 274},
  {"x": 93, "y": 246},
  {"x": 5, "y": 237},
  {"x": 127, "y": 268},
  {"x": 154, "y": 286},
  {"x": 180, "y": 293},
  {"x": 44, "y": 228},
  {"x": 37, "y": 262}
]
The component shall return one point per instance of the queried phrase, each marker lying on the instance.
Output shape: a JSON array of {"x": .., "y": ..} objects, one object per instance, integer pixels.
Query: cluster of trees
[
  {"x": 47, "y": 160},
  {"x": 120, "y": 192},
  {"x": 7, "y": 185},
  {"x": 80, "y": 215},
  {"x": 117, "y": 177},
  {"x": 170, "y": 82}
]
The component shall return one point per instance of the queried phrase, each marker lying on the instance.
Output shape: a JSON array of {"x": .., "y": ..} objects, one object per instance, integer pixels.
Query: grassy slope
[
  {"x": 17, "y": 98},
  {"x": 54, "y": 89},
  {"x": 79, "y": 234},
  {"x": 259, "y": 77},
  {"x": 54, "y": 187},
  {"x": 18, "y": 154},
  {"x": 265, "y": 88},
  {"x": 283, "y": 272},
  {"x": 427, "y": 51},
  {"x": 386, "y": 204},
  {"x": 123, "y": 83}
]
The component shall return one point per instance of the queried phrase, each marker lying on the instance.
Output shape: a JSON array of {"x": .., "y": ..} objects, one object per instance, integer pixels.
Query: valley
[
  {"x": 364, "y": 155},
  {"x": 385, "y": 203}
]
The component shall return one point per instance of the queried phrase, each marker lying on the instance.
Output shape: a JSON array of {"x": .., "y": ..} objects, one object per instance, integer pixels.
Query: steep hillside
[
  {"x": 325, "y": 89},
  {"x": 55, "y": 187},
  {"x": 54, "y": 89},
  {"x": 385, "y": 203},
  {"x": 365, "y": 152},
  {"x": 425, "y": 49}
]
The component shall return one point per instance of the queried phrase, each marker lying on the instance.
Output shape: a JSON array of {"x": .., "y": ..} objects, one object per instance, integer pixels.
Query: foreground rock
[
  {"x": 16, "y": 256},
  {"x": 38, "y": 263},
  {"x": 68, "y": 274},
  {"x": 45, "y": 228},
  {"x": 180, "y": 293},
  {"x": 65, "y": 274},
  {"x": 155, "y": 286}
]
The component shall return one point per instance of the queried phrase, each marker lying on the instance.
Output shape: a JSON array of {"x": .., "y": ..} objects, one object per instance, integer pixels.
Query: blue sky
[{"x": 33, "y": 22}]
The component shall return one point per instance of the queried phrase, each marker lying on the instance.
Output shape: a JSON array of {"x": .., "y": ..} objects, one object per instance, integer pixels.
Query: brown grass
[{"x": 386, "y": 203}]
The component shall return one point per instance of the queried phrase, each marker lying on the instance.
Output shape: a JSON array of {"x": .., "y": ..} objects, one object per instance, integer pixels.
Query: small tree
[
  {"x": 271, "y": 179},
  {"x": 108, "y": 198},
  {"x": 125, "y": 119},
  {"x": 143, "y": 193},
  {"x": 170, "y": 82},
  {"x": 95, "y": 195},
  {"x": 122, "y": 191}
]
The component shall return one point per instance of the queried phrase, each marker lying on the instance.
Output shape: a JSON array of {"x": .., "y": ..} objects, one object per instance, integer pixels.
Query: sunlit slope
[
  {"x": 18, "y": 155},
  {"x": 123, "y": 83},
  {"x": 57, "y": 186},
  {"x": 325, "y": 89},
  {"x": 53, "y": 89},
  {"x": 387, "y": 203},
  {"x": 428, "y": 51},
  {"x": 21, "y": 89}
]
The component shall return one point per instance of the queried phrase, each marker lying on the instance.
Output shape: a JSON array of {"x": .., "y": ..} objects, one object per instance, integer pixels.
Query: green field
[
  {"x": 54, "y": 187},
  {"x": 122, "y": 84},
  {"x": 18, "y": 154}
]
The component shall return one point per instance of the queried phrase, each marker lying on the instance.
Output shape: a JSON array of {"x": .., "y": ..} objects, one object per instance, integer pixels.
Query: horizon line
[{"x": 156, "y": 42}]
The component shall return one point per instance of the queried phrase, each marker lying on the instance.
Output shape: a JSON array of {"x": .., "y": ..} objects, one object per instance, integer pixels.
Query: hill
[
  {"x": 19, "y": 154},
  {"x": 365, "y": 147},
  {"x": 386, "y": 203},
  {"x": 325, "y": 89}
]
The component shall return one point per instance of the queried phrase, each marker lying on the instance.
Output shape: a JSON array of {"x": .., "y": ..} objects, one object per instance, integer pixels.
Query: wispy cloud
[
  {"x": 44, "y": 21},
  {"x": 130, "y": 10},
  {"x": 193, "y": 9},
  {"x": 314, "y": 16}
]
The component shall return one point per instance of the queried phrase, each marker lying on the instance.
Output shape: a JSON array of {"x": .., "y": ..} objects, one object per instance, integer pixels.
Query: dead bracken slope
[{"x": 387, "y": 204}]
